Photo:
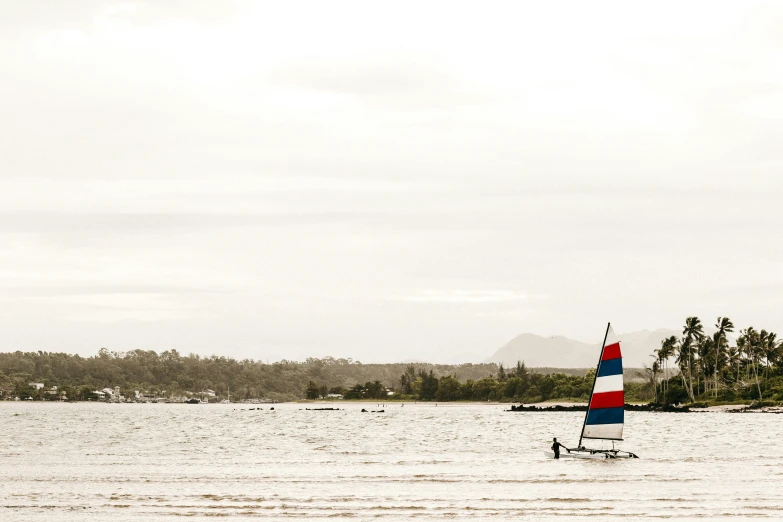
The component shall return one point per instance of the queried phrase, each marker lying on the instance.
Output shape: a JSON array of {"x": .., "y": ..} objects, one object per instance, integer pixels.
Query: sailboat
[
  {"x": 605, "y": 416},
  {"x": 227, "y": 401}
]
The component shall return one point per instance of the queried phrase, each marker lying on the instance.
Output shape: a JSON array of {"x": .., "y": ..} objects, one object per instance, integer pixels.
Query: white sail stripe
[
  {"x": 611, "y": 338},
  {"x": 603, "y": 431},
  {"x": 610, "y": 383}
]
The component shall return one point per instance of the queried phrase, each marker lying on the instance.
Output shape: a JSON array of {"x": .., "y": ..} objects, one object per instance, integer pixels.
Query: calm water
[{"x": 91, "y": 462}]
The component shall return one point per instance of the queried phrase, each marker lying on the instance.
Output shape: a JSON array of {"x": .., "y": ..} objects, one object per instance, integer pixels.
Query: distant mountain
[{"x": 561, "y": 352}]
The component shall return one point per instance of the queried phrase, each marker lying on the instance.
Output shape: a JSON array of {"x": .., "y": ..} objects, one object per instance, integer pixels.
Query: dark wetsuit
[{"x": 556, "y": 449}]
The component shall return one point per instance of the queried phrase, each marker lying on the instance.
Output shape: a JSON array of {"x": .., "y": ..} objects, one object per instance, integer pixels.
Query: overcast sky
[{"x": 385, "y": 181}]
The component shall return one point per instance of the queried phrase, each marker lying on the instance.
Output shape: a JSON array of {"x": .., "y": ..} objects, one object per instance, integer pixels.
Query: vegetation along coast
[{"x": 695, "y": 370}]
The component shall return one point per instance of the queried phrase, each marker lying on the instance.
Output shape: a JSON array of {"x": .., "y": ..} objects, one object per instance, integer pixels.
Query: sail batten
[{"x": 606, "y": 413}]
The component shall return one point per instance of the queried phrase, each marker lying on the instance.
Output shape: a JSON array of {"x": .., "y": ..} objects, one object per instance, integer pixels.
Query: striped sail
[{"x": 606, "y": 412}]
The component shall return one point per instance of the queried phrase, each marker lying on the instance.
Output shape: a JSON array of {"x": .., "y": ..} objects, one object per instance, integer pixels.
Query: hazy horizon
[
  {"x": 461, "y": 358},
  {"x": 385, "y": 182}
]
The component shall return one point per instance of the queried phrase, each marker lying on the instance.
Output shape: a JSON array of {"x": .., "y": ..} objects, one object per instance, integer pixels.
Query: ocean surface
[{"x": 119, "y": 462}]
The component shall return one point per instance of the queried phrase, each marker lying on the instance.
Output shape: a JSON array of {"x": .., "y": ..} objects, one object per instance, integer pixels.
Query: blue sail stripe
[
  {"x": 606, "y": 416},
  {"x": 610, "y": 367}
]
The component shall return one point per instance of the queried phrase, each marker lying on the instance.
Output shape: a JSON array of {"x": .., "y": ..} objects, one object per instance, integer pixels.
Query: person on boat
[{"x": 556, "y": 448}]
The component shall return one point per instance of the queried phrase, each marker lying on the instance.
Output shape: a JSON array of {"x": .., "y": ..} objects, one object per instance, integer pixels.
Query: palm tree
[
  {"x": 733, "y": 356},
  {"x": 704, "y": 348},
  {"x": 665, "y": 352},
  {"x": 724, "y": 326},
  {"x": 749, "y": 340},
  {"x": 683, "y": 355},
  {"x": 742, "y": 351},
  {"x": 770, "y": 349},
  {"x": 692, "y": 332},
  {"x": 654, "y": 376}
]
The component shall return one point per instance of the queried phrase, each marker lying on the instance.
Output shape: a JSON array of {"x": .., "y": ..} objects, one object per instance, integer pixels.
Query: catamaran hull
[
  {"x": 587, "y": 455},
  {"x": 564, "y": 456}
]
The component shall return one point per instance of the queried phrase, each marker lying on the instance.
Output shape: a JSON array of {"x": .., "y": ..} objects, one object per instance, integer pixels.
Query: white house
[{"x": 36, "y": 385}]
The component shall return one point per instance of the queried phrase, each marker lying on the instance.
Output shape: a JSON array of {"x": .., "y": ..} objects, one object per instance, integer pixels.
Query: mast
[{"x": 590, "y": 401}]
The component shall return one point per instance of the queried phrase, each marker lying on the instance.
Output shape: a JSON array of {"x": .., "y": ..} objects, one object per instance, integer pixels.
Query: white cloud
[{"x": 462, "y": 296}]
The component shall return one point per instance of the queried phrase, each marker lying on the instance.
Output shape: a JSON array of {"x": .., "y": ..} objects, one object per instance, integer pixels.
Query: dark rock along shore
[{"x": 583, "y": 407}]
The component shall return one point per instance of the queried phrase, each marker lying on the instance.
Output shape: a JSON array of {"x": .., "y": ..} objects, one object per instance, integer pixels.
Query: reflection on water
[{"x": 90, "y": 462}]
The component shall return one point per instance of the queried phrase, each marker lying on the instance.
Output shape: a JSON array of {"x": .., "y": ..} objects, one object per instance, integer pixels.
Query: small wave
[{"x": 564, "y": 499}]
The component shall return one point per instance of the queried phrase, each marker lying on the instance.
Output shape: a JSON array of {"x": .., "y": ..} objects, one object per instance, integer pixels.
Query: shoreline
[
  {"x": 653, "y": 408},
  {"x": 538, "y": 407}
]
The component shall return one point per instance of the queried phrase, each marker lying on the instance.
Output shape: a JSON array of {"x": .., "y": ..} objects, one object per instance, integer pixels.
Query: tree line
[
  {"x": 710, "y": 367},
  {"x": 517, "y": 384},
  {"x": 170, "y": 373},
  {"x": 688, "y": 368}
]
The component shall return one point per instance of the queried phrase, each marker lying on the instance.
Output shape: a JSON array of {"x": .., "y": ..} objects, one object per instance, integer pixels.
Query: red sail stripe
[
  {"x": 615, "y": 399},
  {"x": 611, "y": 351}
]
